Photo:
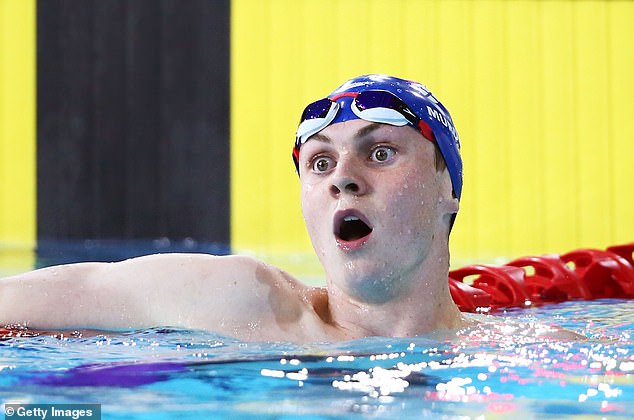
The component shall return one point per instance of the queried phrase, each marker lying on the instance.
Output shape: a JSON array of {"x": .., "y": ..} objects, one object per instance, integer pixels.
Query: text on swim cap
[{"x": 438, "y": 116}]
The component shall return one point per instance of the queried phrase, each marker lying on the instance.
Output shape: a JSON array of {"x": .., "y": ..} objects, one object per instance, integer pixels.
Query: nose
[{"x": 348, "y": 179}]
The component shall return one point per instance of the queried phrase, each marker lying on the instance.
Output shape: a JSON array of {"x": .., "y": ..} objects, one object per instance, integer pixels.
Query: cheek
[
  {"x": 309, "y": 206},
  {"x": 412, "y": 201},
  {"x": 304, "y": 201}
]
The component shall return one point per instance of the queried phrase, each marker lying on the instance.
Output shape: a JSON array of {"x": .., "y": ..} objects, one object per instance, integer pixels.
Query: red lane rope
[{"x": 583, "y": 274}]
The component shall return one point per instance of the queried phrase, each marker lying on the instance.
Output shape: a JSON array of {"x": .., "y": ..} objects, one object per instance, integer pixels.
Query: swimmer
[{"x": 380, "y": 175}]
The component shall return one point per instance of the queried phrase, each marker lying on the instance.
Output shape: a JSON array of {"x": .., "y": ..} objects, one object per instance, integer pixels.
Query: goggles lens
[
  {"x": 318, "y": 109},
  {"x": 315, "y": 117},
  {"x": 378, "y": 106},
  {"x": 383, "y": 100}
]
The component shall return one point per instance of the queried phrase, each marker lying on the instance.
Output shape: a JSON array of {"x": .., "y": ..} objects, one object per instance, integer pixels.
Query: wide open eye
[
  {"x": 382, "y": 154},
  {"x": 322, "y": 164}
]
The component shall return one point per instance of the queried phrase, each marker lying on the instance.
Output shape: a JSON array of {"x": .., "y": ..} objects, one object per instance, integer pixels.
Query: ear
[
  {"x": 450, "y": 205},
  {"x": 447, "y": 202}
]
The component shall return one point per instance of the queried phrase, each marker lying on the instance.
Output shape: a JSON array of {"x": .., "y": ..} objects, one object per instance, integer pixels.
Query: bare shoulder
[
  {"x": 236, "y": 295},
  {"x": 218, "y": 279},
  {"x": 237, "y": 270},
  {"x": 232, "y": 295},
  {"x": 187, "y": 261}
]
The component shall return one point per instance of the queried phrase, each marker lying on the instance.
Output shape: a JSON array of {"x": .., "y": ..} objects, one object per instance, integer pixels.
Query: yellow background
[
  {"x": 541, "y": 92},
  {"x": 17, "y": 133}
]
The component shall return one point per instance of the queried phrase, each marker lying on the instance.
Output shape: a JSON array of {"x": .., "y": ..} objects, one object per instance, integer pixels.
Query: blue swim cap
[{"x": 430, "y": 116}]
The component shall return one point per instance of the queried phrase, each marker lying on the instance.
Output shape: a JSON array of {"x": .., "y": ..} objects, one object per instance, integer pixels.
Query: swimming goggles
[{"x": 378, "y": 106}]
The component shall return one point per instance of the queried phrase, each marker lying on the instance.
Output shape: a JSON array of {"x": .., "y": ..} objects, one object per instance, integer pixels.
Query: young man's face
[{"x": 373, "y": 203}]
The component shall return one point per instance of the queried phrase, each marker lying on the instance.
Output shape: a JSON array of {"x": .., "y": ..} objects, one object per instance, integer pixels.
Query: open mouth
[{"x": 352, "y": 227}]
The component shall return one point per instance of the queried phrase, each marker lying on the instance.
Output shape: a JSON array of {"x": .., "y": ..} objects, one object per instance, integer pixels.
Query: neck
[{"x": 424, "y": 306}]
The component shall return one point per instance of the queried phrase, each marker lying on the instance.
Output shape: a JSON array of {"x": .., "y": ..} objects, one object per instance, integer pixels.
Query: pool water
[{"x": 499, "y": 369}]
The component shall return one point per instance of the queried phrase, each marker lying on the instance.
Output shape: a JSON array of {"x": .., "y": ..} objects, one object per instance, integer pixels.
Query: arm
[{"x": 223, "y": 294}]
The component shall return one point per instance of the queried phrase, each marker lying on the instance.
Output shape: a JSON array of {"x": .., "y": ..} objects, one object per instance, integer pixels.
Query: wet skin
[
  {"x": 377, "y": 212},
  {"x": 386, "y": 176}
]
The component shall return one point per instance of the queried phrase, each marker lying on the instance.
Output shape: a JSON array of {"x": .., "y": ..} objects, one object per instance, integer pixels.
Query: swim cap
[{"x": 388, "y": 100}]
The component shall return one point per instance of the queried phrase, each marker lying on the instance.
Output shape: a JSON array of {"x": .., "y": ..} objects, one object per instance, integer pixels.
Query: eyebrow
[
  {"x": 321, "y": 137},
  {"x": 368, "y": 129},
  {"x": 362, "y": 132}
]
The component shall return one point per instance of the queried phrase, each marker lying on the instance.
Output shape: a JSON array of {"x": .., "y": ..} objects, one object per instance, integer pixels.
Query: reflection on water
[{"x": 499, "y": 367}]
